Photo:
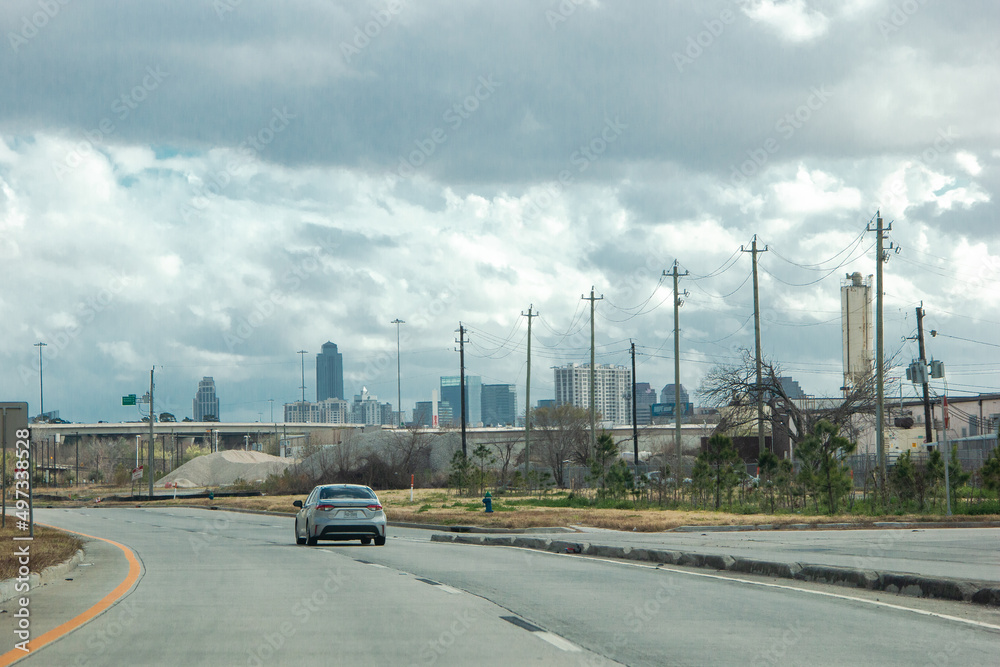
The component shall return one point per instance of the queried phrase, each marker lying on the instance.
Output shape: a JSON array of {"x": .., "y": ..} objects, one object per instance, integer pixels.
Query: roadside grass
[
  {"x": 50, "y": 547},
  {"x": 553, "y": 509}
]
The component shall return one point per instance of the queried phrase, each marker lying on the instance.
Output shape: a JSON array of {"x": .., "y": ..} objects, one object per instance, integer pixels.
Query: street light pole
[
  {"x": 399, "y": 399},
  {"x": 41, "y": 392},
  {"x": 303, "y": 387}
]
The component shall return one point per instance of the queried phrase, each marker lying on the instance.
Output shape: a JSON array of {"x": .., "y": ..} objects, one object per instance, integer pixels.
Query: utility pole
[
  {"x": 41, "y": 390},
  {"x": 881, "y": 257},
  {"x": 635, "y": 423},
  {"x": 302, "y": 353},
  {"x": 152, "y": 420},
  {"x": 928, "y": 436},
  {"x": 756, "y": 333},
  {"x": 677, "y": 374},
  {"x": 461, "y": 381},
  {"x": 593, "y": 381},
  {"x": 527, "y": 401},
  {"x": 399, "y": 400}
]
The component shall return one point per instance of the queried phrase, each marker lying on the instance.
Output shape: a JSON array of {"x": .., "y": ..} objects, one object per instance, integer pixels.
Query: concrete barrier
[
  {"x": 765, "y": 567},
  {"x": 839, "y": 576},
  {"x": 928, "y": 587},
  {"x": 986, "y": 593}
]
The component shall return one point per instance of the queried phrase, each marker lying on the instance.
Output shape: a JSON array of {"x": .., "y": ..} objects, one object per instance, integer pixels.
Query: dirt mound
[{"x": 223, "y": 468}]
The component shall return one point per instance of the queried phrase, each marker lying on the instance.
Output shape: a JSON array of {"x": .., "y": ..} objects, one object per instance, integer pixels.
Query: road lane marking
[
  {"x": 555, "y": 640},
  {"x": 558, "y": 642},
  {"x": 134, "y": 572},
  {"x": 763, "y": 584}
]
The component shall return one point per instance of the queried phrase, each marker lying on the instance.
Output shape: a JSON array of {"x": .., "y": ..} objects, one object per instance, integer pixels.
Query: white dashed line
[{"x": 558, "y": 642}]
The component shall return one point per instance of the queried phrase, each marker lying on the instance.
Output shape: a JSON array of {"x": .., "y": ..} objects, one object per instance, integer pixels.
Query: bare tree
[
  {"x": 734, "y": 387},
  {"x": 507, "y": 455},
  {"x": 409, "y": 451},
  {"x": 562, "y": 432}
]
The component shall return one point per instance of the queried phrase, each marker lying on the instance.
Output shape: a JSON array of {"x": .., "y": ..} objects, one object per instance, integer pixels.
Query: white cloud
[
  {"x": 791, "y": 19},
  {"x": 968, "y": 162},
  {"x": 814, "y": 192}
]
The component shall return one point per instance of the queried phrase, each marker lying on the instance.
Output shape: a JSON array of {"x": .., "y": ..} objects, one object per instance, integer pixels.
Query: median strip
[{"x": 960, "y": 590}]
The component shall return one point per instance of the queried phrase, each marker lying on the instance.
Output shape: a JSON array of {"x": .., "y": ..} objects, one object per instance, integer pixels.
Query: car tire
[
  {"x": 310, "y": 540},
  {"x": 379, "y": 541},
  {"x": 366, "y": 541}
]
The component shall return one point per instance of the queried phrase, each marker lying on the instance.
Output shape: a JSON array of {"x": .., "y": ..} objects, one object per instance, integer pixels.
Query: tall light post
[
  {"x": 303, "y": 387},
  {"x": 399, "y": 400},
  {"x": 41, "y": 392}
]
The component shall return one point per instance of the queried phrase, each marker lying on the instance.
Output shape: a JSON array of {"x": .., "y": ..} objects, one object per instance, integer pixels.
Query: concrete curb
[
  {"x": 35, "y": 579},
  {"x": 877, "y": 525},
  {"x": 902, "y": 583}
]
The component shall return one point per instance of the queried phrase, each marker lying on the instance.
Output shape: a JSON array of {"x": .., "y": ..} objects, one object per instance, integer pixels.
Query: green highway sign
[{"x": 128, "y": 400}]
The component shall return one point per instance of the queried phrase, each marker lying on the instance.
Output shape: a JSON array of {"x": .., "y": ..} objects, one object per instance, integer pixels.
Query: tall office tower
[
  {"x": 668, "y": 397},
  {"x": 451, "y": 393},
  {"x": 499, "y": 404},
  {"x": 329, "y": 373},
  {"x": 613, "y": 387},
  {"x": 206, "y": 403},
  {"x": 645, "y": 396}
]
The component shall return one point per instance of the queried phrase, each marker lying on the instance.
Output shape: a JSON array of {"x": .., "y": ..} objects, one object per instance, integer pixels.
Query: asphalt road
[
  {"x": 233, "y": 589},
  {"x": 968, "y": 553}
]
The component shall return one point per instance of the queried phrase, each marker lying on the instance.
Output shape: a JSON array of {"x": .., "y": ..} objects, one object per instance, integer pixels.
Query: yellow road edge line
[{"x": 134, "y": 571}]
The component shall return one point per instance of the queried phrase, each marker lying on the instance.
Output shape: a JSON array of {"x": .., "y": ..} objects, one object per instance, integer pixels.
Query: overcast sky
[{"x": 211, "y": 186}]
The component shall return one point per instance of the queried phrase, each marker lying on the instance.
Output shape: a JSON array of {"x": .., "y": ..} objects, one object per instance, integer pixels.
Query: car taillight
[
  {"x": 375, "y": 507},
  {"x": 325, "y": 507}
]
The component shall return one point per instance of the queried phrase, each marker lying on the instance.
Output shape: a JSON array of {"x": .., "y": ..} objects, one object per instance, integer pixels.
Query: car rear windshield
[{"x": 349, "y": 492}]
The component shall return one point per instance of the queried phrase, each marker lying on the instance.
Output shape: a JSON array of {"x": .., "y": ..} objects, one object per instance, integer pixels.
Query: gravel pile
[{"x": 223, "y": 468}]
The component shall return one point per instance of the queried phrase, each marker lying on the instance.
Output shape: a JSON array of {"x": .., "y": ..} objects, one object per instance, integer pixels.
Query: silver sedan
[{"x": 340, "y": 512}]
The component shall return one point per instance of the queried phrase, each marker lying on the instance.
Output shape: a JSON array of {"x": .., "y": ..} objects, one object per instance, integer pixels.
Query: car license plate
[{"x": 350, "y": 514}]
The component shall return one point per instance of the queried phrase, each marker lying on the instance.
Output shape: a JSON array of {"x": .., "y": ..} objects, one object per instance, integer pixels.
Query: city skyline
[{"x": 213, "y": 209}]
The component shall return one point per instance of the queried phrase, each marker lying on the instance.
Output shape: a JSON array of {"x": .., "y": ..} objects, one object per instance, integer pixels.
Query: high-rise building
[
  {"x": 858, "y": 329},
  {"x": 451, "y": 393},
  {"x": 613, "y": 387},
  {"x": 645, "y": 396},
  {"x": 499, "y": 404},
  {"x": 206, "y": 403},
  {"x": 424, "y": 413},
  {"x": 329, "y": 411},
  {"x": 791, "y": 387},
  {"x": 367, "y": 410},
  {"x": 668, "y": 398},
  {"x": 329, "y": 373}
]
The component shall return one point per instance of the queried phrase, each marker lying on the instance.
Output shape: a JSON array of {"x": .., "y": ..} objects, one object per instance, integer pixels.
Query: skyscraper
[
  {"x": 329, "y": 373},
  {"x": 645, "y": 396},
  {"x": 668, "y": 397},
  {"x": 451, "y": 393},
  {"x": 613, "y": 387},
  {"x": 499, "y": 404},
  {"x": 206, "y": 403}
]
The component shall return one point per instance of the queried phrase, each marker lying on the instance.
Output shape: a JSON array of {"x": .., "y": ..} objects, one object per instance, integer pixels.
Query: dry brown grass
[
  {"x": 50, "y": 547},
  {"x": 435, "y": 506}
]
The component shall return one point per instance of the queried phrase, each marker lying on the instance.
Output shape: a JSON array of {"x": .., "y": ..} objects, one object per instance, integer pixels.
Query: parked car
[{"x": 340, "y": 512}]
